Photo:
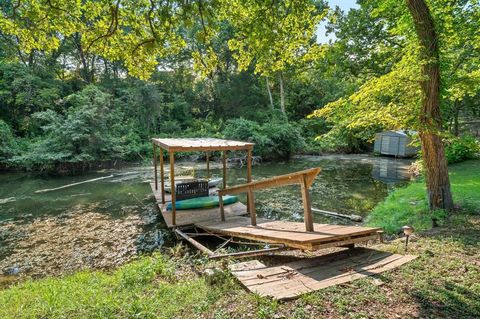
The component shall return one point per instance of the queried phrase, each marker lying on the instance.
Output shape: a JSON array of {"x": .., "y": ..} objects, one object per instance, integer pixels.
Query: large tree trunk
[{"x": 438, "y": 183}]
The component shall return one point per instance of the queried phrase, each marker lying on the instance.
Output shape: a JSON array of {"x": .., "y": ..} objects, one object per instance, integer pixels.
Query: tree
[
  {"x": 410, "y": 94},
  {"x": 438, "y": 184}
]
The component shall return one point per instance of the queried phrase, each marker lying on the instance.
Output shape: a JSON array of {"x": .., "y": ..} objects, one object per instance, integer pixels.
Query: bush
[
  {"x": 459, "y": 149},
  {"x": 8, "y": 145},
  {"x": 273, "y": 140}
]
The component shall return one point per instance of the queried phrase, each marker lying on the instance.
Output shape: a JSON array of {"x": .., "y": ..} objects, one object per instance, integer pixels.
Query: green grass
[
  {"x": 146, "y": 288},
  {"x": 409, "y": 205}
]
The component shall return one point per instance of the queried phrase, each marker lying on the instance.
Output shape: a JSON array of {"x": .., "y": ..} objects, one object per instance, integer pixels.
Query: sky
[{"x": 345, "y": 5}]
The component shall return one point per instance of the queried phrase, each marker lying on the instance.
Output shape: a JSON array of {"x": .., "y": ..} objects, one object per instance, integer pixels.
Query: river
[{"x": 105, "y": 223}]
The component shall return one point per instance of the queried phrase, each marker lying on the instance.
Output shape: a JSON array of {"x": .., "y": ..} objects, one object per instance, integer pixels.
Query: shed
[{"x": 396, "y": 143}]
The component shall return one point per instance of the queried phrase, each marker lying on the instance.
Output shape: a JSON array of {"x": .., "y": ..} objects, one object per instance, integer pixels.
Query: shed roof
[{"x": 201, "y": 144}]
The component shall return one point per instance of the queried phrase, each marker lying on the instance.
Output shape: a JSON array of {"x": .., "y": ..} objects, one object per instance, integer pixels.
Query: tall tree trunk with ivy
[{"x": 438, "y": 183}]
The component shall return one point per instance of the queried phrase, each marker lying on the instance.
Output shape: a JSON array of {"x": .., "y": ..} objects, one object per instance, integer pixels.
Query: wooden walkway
[{"x": 293, "y": 279}]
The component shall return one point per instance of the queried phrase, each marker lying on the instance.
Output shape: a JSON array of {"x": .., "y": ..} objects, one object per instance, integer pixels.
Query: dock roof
[{"x": 201, "y": 144}]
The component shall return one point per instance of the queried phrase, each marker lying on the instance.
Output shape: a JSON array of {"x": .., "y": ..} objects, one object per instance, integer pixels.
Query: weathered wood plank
[{"x": 293, "y": 279}]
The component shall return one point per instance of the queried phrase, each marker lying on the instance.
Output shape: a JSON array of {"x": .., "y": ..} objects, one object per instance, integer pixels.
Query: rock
[{"x": 213, "y": 275}]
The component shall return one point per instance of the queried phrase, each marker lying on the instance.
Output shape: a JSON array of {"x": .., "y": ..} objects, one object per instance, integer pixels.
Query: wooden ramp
[
  {"x": 296, "y": 278},
  {"x": 291, "y": 234},
  {"x": 194, "y": 216}
]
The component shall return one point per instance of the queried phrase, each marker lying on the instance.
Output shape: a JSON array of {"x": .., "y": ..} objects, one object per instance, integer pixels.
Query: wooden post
[
  {"x": 222, "y": 210},
  {"x": 172, "y": 186},
  {"x": 224, "y": 160},
  {"x": 162, "y": 176},
  {"x": 208, "y": 166},
  {"x": 249, "y": 173},
  {"x": 155, "y": 165},
  {"x": 251, "y": 205},
  {"x": 307, "y": 207}
]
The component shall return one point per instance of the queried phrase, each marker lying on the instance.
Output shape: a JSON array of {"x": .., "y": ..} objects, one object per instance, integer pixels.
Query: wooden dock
[{"x": 240, "y": 221}]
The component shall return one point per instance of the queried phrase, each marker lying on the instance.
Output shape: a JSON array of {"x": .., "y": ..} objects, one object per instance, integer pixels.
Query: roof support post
[
  {"x": 162, "y": 176},
  {"x": 222, "y": 210},
  {"x": 155, "y": 165},
  {"x": 208, "y": 166},
  {"x": 249, "y": 174},
  {"x": 307, "y": 207},
  {"x": 251, "y": 206},
  {"x": 224, "y": 161},
  {"x": 172, "y": 186}
]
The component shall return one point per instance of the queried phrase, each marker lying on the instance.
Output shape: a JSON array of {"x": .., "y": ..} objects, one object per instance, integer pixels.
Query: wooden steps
[{"x": 293, "y": 279}]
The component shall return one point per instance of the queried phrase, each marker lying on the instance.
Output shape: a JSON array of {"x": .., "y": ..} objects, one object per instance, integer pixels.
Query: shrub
[
  {"x": 273, "y": 140},
  {"x": 459, "y": 149},
  {"x": 8, "y": 144}
]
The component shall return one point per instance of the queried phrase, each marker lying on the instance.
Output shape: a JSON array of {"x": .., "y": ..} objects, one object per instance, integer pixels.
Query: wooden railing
[{"x": 303, "y": 178}]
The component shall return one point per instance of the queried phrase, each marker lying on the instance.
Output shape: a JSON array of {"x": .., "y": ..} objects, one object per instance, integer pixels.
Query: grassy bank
[
  {"x": 409, "y": 205},
  {"x": 441, "y": 283}
]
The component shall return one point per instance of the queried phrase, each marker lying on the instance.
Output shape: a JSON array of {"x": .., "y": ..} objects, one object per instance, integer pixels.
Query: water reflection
[{"x": 391, "y": 171}]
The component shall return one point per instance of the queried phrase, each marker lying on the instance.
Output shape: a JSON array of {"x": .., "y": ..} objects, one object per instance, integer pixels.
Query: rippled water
[{"x": 346, "y": 184}]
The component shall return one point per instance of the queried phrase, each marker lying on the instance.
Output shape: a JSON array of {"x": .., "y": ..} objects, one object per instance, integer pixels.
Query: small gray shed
[{"x": 395, "y": 143}]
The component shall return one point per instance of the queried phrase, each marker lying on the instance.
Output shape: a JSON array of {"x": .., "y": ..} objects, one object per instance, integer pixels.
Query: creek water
[{"x": 109, "y": 221}]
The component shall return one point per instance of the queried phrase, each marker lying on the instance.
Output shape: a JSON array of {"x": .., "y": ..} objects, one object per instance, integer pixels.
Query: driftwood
[
  {"x": 355, "y": 218},
  {"x": 73, "y": 184}
]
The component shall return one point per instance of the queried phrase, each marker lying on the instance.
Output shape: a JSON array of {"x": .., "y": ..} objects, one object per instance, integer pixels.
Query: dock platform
[{"x": 291, "y": 234}]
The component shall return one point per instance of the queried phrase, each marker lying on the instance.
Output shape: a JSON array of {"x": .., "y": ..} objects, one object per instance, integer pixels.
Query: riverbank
[
  {"x": 409, "y": 205},
  {"x": 441, "y": 283}
]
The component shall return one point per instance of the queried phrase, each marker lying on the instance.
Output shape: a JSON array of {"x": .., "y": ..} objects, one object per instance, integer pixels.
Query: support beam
[
  {"x": 208, "y": 166},
  {"x": 224, "y": 161},
  {"x": 195, "y": 243},
  {"x": 162, "y": 176},
  {"x": 155, "y": 165},
  {"x": 222, "y": 210},
  {"x": 251, "y": 206},
  {"x": 249, "y": 172},
  {"x": 307, "y": 207},
  {"x": 172, "y": 186}
]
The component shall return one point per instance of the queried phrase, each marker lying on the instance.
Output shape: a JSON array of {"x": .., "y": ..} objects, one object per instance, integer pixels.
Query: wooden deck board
[
  {"x": 291, "y": 234},
  {"x": 194, "y": 216},
  {"x": 296, "y": 278}
]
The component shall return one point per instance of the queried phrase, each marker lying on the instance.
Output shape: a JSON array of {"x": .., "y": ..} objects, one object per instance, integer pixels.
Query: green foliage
[
  {"x": 89, "y": 131},
  {"x": 459, "y": 149},
  {"x": 8, "y": 145},
  {"x": 273, "y": 140},
  {"x": 409, "y": 205}
]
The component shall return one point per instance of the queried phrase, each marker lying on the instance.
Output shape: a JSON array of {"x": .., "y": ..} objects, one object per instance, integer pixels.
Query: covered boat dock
[{"x": 239, "y": 220}]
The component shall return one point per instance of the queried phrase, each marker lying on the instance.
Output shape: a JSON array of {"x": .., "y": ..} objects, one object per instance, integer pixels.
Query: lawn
[
  {"x": 409, "y": 205},
  {"x": 443, "y": 282}
]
